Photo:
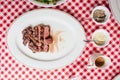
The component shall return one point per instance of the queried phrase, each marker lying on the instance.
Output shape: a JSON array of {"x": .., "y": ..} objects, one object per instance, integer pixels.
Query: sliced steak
[
  {"x": 46, "y": 47},
  {"x": 38, "y": 38}
]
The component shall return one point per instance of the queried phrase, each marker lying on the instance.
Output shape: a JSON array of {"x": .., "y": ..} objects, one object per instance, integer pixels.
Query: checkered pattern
[{"x": 11, "y": 69}]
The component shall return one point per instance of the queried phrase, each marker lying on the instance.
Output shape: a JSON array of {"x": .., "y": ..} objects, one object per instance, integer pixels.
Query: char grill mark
[{"x": 39, "y": 47}]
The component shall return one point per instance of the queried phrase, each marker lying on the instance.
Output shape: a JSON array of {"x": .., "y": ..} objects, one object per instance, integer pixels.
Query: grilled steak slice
[
  {"x": 48, "y": 40},
  {"x": 46, "y": 31},
  {"x": 46, "y": 34},
  {"x": 26, "y": 31},
  {"x": 33, "y": 47},
  {"x": 46, "y": 47}
]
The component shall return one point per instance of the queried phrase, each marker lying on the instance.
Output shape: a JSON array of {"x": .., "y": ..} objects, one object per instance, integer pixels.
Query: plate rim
[
  {"x": 114, "y": 10},
  {"x": 117, "y": 76},
  {"x": 47, "y": 5}
]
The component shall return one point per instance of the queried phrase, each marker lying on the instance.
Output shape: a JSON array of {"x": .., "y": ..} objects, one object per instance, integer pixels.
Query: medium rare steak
[{"x": 37, "y": 38}]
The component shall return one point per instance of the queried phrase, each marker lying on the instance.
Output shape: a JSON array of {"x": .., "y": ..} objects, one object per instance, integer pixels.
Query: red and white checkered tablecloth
[{"x": 11, "y": 69}]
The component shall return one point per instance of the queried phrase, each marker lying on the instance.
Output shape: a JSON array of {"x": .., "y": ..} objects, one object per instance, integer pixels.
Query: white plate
[
  {"x": 115, "y": 7},
  {"x": 47, "y": 5},
  {"x": 117, "y": 77},
  {"x": 69, "y": 49}
]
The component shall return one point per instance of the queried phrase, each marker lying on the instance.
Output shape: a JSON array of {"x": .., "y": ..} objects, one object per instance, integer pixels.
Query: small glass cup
[
  {"x": 105, "y": 33},
  {"x": 107, "y": 13},
  {"x": 94, "y": 57}
]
